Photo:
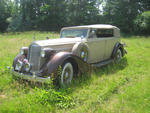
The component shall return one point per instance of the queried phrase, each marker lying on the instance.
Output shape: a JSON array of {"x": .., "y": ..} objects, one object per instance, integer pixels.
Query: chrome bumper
[{"x": 30, "y": 77}]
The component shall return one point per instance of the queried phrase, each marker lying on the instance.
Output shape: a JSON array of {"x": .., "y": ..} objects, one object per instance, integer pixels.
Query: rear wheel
[
  {"x": 67, "y": 74},
  {"x": 118, "y": 55}
]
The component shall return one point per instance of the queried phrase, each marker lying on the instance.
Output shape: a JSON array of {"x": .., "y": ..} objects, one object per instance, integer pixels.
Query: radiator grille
[{"x": 34, "y": 57}]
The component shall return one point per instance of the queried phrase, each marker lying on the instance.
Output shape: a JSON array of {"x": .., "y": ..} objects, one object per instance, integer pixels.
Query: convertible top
[{"x": 103, "y": 26}]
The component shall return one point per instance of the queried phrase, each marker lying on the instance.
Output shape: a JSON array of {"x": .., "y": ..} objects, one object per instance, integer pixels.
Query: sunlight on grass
[{"x": 122, "y": 87}]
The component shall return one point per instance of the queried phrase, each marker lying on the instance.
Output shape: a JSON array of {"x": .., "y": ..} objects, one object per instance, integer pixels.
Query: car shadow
[
  {"x": 111, "y": 68},
  {"x": 85, "y": 79}
]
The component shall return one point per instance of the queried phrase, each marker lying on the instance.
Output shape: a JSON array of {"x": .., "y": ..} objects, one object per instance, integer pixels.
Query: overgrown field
[{"x": 123, "y": 87}]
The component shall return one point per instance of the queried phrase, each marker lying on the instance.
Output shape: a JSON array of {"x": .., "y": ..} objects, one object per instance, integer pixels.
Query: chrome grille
[{"x": 34, "y": 57}]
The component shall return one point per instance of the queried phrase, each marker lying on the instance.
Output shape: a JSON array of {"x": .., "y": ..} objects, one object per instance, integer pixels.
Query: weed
[{"x": 52, "y": 97}]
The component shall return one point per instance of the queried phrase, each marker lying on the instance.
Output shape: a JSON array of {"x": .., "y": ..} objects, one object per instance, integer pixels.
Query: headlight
[
  {"x": 46, "y": 52},
  {"x": 19, "y": 66},
  {"x": 27, "y": 67},
  {"x": 23, "y": 50},
  {"x": 43, "y": 53}
]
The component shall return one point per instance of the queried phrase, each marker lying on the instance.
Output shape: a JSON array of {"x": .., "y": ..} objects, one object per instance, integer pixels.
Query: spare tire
[{"x": 81, "y": 50}]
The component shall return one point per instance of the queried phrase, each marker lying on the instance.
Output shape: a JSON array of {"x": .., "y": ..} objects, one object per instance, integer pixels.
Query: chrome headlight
[
  {"x": 23, "y": 50},
  {"x": 27, "y": 67},
  {"x": 19, "y": 66},
  {"x": 43, "y": 53},
  {"x": 46, "y": 52}
]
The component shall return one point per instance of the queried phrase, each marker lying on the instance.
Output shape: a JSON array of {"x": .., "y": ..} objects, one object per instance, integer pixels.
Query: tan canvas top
[{"x": 104, "y": 26}]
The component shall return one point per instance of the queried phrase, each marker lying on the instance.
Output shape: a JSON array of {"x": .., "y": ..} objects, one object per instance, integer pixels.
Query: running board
[{"x": 100, "y": 64}]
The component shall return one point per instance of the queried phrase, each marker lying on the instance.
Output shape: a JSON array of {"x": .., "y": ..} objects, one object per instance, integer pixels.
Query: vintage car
[{"x": 63, "y": 58}]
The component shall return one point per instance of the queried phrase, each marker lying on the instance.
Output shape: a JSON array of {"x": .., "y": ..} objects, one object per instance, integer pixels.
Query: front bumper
[{"x": 30, "y": 77}]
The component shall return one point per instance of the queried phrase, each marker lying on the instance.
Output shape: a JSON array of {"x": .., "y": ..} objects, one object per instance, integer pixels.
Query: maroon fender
[{"x": 59, "y": 58}]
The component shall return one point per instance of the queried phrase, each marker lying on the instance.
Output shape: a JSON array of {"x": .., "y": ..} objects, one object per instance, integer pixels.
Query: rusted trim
[
  {"x": 30, "y": 78},
  {"x": 59, "y": 58}
]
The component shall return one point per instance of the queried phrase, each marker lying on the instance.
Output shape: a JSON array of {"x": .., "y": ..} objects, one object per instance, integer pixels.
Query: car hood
[{"x": 58, "y": 43}]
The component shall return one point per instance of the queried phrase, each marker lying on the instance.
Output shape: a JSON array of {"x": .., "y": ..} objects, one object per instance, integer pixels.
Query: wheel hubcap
[{"x": 67, "y": 73}]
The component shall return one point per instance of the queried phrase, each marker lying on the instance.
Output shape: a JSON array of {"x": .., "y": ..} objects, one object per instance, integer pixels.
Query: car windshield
[{"x": 72, "y": 33}]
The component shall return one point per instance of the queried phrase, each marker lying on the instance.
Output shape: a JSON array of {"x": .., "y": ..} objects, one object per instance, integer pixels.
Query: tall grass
[{"x": 122, "y": 87}]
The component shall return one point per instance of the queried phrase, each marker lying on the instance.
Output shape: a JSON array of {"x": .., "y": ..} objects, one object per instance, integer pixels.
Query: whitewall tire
[{"x": 67, "y": 74}]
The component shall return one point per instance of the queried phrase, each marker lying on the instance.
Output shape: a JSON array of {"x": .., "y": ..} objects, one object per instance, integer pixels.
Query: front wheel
[
  {"x": 118, "y": 55},
  {"x": 67, "y": 74}
]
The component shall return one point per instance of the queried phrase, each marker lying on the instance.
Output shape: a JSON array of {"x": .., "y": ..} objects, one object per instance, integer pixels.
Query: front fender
[{"x": 59, "y": 58}]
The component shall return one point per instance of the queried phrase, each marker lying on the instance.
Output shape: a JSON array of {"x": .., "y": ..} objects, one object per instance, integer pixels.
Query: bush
[
  {"x": 142, "y": 23},
  {"x": 51, "y": 97},
  {"x": 15, "y": 24}
]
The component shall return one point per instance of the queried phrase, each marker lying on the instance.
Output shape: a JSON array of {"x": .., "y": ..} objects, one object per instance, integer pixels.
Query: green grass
[{"x": 114, "y": 88}]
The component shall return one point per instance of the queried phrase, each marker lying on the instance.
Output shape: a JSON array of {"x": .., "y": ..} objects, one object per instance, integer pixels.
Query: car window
[
  {"x": 102, "y": 33},
  {"x": 71, "y": 33}
]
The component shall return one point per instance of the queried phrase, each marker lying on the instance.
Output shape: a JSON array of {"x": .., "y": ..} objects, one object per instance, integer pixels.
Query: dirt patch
[{"x": 3, "y": 96}]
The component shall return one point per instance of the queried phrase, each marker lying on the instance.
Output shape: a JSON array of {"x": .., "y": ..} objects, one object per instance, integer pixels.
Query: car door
[{"x": 97, "y": 46}]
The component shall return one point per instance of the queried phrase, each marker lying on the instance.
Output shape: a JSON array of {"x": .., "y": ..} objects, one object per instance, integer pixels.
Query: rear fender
[{"x": 118, "y": 46}]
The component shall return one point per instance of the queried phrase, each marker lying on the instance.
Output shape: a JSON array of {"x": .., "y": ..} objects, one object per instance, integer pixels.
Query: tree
[
  {"x": 4, "y": 14},
  {"x": 82, "y": 12},
  {"x": 142, "y": 23},
  {"x": 121, "y": 13},
  {"x": 54, "y": 14},
  {"x": 145, "y": 5}
]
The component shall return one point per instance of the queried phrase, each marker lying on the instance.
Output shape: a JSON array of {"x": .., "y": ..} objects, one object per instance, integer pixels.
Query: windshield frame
[{"x": 75, "y": 29}]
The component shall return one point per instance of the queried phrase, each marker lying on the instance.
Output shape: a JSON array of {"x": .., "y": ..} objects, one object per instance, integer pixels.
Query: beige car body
[{"x": 99, "y": 49}]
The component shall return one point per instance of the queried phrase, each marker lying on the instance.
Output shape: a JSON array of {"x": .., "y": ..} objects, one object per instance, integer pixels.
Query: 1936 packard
[{"x": 76, "y": 49}]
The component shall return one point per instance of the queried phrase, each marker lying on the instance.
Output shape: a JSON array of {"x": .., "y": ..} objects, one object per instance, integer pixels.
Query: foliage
[
  {"x": 15, "y": 24},
  {"x": 145, "y": 5},
  {"x": 121, "y": 13},
  {"x": 51, "y": 15},
  {"x": 142, "y": 23},
  {"x": 51, "y": 97},
  {"x": 4, "y": 14}
]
